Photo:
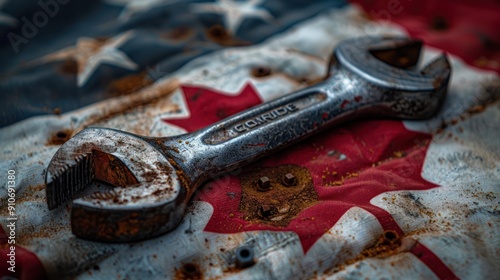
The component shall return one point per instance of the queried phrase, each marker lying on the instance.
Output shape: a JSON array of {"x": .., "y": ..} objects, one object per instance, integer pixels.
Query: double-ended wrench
[{"x": 153, "y": 179}]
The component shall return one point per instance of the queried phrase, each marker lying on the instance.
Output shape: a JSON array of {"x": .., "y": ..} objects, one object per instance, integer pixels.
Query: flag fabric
[
  {"x": 380, "y": 198},
  {"x": 73, "y": 65}
]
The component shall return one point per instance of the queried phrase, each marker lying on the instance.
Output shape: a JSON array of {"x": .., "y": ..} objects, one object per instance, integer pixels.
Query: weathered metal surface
[
  {"x": 153, "y": 178},
  {"x": 462, "y": 153}
]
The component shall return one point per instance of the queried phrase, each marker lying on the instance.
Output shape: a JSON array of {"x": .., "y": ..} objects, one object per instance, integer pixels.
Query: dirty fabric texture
[
  {"x": 372, "y": 198},
  {"x": 94, "y": 43}
]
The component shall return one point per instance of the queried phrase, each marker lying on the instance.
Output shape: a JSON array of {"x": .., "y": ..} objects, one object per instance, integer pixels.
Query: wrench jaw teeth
[
  {"x": 146, "y": 197},
  {"x": 124, "y": 214},
  {"x": 65, "y": 182}
]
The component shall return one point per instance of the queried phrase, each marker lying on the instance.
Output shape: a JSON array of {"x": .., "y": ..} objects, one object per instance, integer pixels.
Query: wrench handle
[{"x": 266, "y": 128}]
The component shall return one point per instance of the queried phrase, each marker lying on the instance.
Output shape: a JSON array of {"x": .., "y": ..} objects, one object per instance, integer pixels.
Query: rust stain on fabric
[
  {"x": 60, "y": 137},
  {"x": 181, "y": 33},
  {"x": 339, "y": 182},
  {"x": 32, "y": 193},
  {"x": 281, "y": 203},
  {"x": 490, "y": 95},
  {"x": 69, "y": 67},
  {"x": 218, "y": 34},
  {"x": 129, "y": 84},
  {"x": 399, "y": 154},
  {"x": 389, "y": 243},
  {"x": 57, "y": 111},
  {"x": 46, "y": 233},
  {"x": 189, "y": 271},
  {"x": 129, "y": 102},
  {"x": 261, "y": 71}
]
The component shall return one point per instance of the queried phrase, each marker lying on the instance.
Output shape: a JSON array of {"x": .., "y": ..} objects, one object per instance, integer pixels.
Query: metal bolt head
[
  {"x": 264, "y": 184},
  {"x": 266, "y": 210},
  {"x": 289, "y": 180},
  {"x": 244, "y": 257},
  {"x": 390, "y": 237}
]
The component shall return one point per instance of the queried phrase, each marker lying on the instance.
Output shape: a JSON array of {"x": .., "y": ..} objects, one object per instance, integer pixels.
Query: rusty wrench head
[
  {"x": 147, "y": 194},
  {"x": 152, "y": 179}
]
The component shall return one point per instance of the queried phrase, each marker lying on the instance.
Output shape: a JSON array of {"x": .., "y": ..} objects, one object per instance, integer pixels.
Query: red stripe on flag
[
  {"x": 420, "y": 251},
  {"x": 385, "y": 219},
  {"x": 432, "y": 261}
]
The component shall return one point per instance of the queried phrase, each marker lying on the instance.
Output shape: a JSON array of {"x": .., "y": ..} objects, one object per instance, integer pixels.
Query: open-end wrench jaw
[
  {"x": 152, "y": 179},
  {"x": 386, "y": 65},
  {"x": 145, "y": 189}
]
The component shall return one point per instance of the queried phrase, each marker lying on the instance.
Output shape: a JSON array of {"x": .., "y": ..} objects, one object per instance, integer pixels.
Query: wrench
[{"x": 153, "y": 179}]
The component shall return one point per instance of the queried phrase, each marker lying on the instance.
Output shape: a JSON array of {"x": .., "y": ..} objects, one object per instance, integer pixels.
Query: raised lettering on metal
[{"x": 265, "y": 118}]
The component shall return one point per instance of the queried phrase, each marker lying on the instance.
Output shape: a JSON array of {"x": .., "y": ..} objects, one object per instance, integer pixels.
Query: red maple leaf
[
  {"x": 208, "y": 106},
  {"x": 378, "y": 156},
  {"x": 373, "y": 165}
]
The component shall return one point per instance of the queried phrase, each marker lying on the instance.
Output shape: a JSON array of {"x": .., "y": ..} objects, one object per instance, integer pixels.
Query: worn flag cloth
[{"x": 381, "y": 198}]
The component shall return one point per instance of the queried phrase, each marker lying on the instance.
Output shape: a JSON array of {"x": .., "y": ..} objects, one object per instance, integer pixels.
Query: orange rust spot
[
  {"x": 60, "y": 137},
  {"x": 38, "y": 187},
  {"x": 388, "y": 244},
  {"x": 189, "y": 271},
  {"x": 95, "y": 225},
  {"x": 180, "y": 33},
  {"x": 470, "y": 112},
  {"x": 218, "y": 34},
  {"x": 399, "y": 154},
  {"x": 131, "y": 102},
  {"x": 69, "y": 66},
  {"x": 261, "y": 71},
  {"x": 340, "y": 182},
  {"x": 185, "y": 182},
  {"x": 476, "y": 109},
  {"x": 129, "y": 84},
  {"x": 57, "y": 111}
]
